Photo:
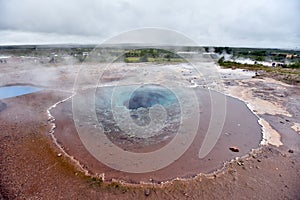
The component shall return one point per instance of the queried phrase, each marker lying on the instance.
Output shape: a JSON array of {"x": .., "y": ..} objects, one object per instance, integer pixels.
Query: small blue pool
[{"x": 14, "y": 91}]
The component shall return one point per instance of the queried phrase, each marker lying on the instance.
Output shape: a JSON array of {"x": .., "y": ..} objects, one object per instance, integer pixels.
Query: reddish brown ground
[{"x": 31, "y": 169}]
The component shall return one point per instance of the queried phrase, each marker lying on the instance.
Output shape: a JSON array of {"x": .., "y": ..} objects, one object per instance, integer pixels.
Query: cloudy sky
[{"x": 255, "y": 23}]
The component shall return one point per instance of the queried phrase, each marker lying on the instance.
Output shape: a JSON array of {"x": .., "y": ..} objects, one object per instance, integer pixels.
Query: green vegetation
[
  {"x": 220, "y": 50},
  {"x": 232, "y": 64},
  {"x": 151, "y": 55},
  {"x": 294, "y": 65},
  {"x": 93, "y": 181},
  {"x": 277, "y": 55}
]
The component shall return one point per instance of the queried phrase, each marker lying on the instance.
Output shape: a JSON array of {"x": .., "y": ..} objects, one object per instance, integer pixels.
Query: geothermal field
[{"x": 79, "y": 122}]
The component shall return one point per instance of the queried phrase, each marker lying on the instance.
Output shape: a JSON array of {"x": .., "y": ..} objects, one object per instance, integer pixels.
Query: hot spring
[{"x": 129, "y": 116}]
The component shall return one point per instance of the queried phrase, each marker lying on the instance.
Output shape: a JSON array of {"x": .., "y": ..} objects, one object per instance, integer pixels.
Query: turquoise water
[
  {"x": 149, "y": 95},
  {"x": 14, "y": 91},
  {"x": 145, "y": 96}
]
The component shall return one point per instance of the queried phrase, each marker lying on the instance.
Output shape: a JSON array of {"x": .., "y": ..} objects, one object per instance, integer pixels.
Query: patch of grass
[
  {"x": 132, "y": 59},
  {"x": 115, "y": 187},
  {"x": 157, "y": 60},
  {"x": 151, "y": 55},
  {"x": 93, "y": 181}
]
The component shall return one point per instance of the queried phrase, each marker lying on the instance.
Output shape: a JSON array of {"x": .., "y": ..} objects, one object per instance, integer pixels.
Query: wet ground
[
  {"x": 2, "y": 106},
  {"x": 32, "y": 166}
]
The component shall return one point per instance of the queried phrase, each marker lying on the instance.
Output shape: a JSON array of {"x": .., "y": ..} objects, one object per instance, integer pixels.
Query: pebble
[
  {"x": 240, "y": 163},
  {"x": 291, "y": 151},
  {"x": 234, "y": 149},
  {"x": 293, "y": 162},
  {"x": 147, "y": 192}
]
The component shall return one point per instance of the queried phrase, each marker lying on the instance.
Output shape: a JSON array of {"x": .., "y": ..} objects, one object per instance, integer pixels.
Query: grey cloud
[{"x": 209, "y": 22}]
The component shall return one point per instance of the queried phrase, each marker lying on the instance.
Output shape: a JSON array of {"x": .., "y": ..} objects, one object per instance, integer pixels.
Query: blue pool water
[
  {"x": 145, "y": 96},
  {"x": 14, "y": 91},
  {"x": 149, "y": 95}
]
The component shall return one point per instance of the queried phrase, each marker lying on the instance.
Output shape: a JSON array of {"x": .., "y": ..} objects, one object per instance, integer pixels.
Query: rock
[
  {"x": 186, "y": 194},
  {"x": 258, "y": 160},
  {"x": 147, "y": 192},
  {"x": 234, "y": 149},
  {"x": 59, "y": 155},
  {"x": 240, "y": 163},
  {"x": 291, "y": 151}
]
